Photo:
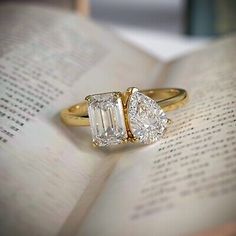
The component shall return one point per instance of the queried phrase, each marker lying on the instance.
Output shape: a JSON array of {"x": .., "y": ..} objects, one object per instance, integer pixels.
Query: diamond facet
[
  {"x": 146, "y": 118},
  {"x": 106, "y": 118}
]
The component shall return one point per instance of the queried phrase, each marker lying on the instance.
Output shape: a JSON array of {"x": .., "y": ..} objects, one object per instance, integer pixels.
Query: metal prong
[
  {"x": 169, "y": 121},
  {"x": 88, "y": 98},
  {"x": 95, "y": 144},
  {"x": 118, "y": 94},
  {"x": 134, "y": 140},
  {"x": 132, "y": 90},
  {"x": 125, "y": 140}
]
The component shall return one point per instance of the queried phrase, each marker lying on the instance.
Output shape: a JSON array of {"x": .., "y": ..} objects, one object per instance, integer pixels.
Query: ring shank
[{"x": 167, "y": 98}]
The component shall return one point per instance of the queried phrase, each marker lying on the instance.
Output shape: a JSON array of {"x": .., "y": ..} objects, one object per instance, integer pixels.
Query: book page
[
  {"x": 185, "y": 183},
  {"x": 49, "y": 60}
]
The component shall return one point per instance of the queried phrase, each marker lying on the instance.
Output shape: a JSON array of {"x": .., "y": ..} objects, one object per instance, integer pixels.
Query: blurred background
[
  {"x": 164, "y": 28},
  {"x": 167, "y": 28}
]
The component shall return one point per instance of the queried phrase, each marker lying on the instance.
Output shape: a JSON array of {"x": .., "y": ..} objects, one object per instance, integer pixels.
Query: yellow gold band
[{"x": 167, "y": 98}]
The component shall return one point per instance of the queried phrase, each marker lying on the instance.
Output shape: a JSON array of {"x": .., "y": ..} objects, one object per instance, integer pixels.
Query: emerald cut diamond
[
  {"x": 147, "y": 120},
  {"x": 106, "y": 117}
]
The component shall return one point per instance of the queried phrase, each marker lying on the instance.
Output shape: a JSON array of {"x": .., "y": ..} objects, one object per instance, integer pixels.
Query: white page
[
  {"x": 185, "y": 183},
  {"x": 50, "y": 60}
]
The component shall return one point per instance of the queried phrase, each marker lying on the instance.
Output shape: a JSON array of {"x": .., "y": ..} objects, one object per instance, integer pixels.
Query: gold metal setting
[{"x": 167, "y": 98}]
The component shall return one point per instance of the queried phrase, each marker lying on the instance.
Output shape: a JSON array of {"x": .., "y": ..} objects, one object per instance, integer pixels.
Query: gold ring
[{"x": 134, "y": 116}]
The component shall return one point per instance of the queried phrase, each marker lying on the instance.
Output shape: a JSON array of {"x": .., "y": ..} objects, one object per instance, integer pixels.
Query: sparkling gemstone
[
  {"x": 147, "y": 120},
  {"x": 106, "y": 118}
]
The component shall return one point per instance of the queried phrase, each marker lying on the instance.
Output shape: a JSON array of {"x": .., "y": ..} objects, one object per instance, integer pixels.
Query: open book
[{"x": 53, "y": 182}]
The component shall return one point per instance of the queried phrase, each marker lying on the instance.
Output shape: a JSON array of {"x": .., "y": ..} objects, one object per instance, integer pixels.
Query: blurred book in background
[
  {"x": 81, "y": 6},
  {"x": 210, "y": 18}
]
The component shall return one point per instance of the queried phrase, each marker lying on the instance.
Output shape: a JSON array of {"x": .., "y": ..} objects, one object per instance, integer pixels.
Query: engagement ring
[{"x": 132, "y": 116}]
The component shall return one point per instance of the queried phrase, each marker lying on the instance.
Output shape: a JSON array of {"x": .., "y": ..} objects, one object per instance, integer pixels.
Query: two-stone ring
[{"x": 134, "y": 116}]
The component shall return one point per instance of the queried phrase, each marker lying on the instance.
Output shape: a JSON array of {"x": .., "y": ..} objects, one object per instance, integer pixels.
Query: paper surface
[
  {"x": 185, "y": 183},
  {"x": 50, "y": 60}
]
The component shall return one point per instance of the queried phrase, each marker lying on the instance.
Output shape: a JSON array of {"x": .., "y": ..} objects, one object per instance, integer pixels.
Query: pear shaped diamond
[{"x": 146, "y": 118}]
